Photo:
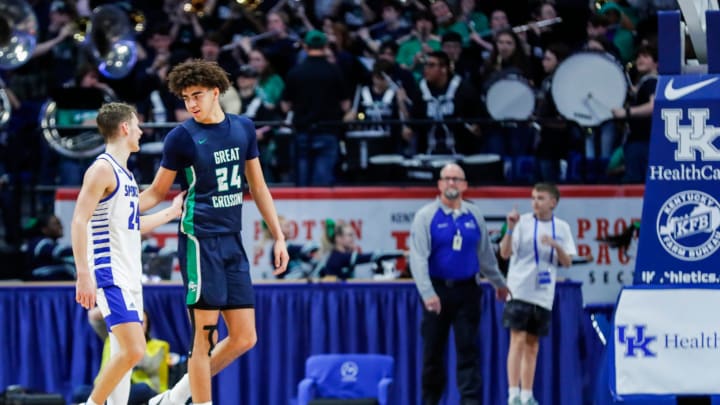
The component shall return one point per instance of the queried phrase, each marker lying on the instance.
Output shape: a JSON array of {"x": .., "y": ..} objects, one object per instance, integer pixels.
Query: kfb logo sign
[
  {"x": 681, "y": 212},
  {"x": 687, "y": 225}
]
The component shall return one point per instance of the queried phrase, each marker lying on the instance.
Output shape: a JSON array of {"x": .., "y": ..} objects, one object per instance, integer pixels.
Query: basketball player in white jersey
[{"x": 106, "y": 230}]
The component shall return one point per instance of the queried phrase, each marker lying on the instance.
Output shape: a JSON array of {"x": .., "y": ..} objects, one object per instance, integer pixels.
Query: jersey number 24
[
  {"x": 222, "y": 177},
  {"x": 134, "y": 218}
]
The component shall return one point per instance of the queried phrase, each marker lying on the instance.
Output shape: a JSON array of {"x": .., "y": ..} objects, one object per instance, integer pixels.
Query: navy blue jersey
[{"x": 211, "y": 159}]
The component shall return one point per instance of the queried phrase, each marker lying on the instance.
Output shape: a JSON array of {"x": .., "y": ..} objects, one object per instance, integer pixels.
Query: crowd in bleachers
[{"x": 425, "y": 70}]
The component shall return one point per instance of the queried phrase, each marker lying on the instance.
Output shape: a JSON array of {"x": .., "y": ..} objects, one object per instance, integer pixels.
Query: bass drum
[
  {"x": 587, "y": 86},
  {"x": 509, "y": 96}
]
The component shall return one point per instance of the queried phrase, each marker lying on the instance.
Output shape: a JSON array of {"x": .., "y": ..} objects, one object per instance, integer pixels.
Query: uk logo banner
[
  {"x": 680, "y": 234},
  {"x": 666, "y": 341}
]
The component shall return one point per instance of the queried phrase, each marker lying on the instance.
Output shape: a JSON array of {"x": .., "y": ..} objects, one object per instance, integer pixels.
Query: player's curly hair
[{"x": 197, "y": 72}]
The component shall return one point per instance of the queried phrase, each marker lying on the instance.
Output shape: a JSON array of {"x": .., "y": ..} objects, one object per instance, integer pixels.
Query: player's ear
[{"x": 125, "y": 127}]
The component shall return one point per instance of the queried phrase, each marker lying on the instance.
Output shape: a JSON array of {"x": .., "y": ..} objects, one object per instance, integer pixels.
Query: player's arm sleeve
[
  {"x": 252, "y": 149},
  {"x": 486, "y": 256},
  {"x": 178, "y": 149},
  {"x": 420, "y": 252}
]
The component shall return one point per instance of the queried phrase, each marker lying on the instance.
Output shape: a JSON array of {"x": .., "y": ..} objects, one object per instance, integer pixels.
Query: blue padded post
[
  {"x": 670, "y": 58},
  {"x": 712, "y": 33}
]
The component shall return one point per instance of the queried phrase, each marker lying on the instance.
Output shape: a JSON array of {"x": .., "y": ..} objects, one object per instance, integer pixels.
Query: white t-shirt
[{"x": 524, "y": 263}]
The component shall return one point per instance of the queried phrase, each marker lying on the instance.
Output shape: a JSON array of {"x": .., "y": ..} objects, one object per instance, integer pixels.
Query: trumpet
[
  {"x": 80, "y": 26},
  {"x": 195, "y": 7},
  {"x": 250, "y": 4},
  {"x": 137, "y": 18}
]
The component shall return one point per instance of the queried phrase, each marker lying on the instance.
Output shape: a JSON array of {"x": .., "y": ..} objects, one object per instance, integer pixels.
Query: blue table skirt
[{"x": 47, "y": 344}]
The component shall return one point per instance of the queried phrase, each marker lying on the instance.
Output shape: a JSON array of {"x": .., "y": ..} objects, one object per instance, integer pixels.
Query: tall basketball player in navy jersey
[
  {"x": 106, "y": 229},
  {"x": 213, "y": 152}
]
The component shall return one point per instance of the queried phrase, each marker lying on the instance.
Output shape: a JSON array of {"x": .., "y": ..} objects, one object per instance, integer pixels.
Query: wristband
[{"x": 508, "y": 232}]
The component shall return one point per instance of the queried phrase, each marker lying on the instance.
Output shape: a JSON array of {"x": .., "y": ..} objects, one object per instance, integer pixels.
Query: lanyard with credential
[
  {"x": 535, "y": 243},
  {"x": 457, "y": 239}
]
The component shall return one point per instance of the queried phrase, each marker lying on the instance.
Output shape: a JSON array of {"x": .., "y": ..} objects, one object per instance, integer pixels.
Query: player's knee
[
  {"x": 243, "y": 342},
  {"x": 532, "y": 345},
  {"x": 136, "y": 352}
]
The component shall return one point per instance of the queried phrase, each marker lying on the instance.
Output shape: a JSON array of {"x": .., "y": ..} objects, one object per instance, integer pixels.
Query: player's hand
[
  {"x": 177, "y": 204},
  {"x": 548, "y": 240},
  {"x": 433, "y": 304},
  {"x": 502, "y": 294},
  {"x": 281, "y": 257},
  {"x": 85, "y": 290},
  {"x": 512, "y": 218}
]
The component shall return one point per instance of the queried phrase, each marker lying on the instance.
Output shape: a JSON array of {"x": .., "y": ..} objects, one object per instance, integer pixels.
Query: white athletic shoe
[{"x": 162, "y": 399}]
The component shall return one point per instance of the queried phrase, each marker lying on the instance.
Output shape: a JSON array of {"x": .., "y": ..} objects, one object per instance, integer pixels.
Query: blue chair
[{"x": 347, "y": 376}]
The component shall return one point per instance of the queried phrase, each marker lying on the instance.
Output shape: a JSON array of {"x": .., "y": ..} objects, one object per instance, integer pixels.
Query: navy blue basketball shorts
[{"x": 215, "y": 271}]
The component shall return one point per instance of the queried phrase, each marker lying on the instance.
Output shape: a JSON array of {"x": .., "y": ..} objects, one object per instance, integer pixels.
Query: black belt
[{"x": 453, "y": 283}]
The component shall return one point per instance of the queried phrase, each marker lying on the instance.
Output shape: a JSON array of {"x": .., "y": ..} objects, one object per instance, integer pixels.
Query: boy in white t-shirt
[{"x": 536, "y": 244}]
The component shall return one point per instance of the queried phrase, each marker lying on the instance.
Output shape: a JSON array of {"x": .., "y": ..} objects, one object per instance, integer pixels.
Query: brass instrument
[
  {"x": 5, "y": 107},
  {"x": 137, "y": 18},
  {"x": 539, "y": 24},
  {"x": 249, "y": 4},
  {"x": 18, "y": 33},
  {"x": 522, "y": 28},
  {"x": 195, "y": 7},
  {"x": 252, "y": 39},
  {"x": 67, "y": 121},
  {"x": 111, "y": 39},
  {"x": 18, "y": 38},
  {"x": 81, "y": 27}
]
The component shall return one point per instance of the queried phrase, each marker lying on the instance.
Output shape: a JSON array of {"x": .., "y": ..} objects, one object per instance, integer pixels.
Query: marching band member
[
  {"x": 638, "y": 114},
  {"x": 384, "y": 100},
  {"x": 445, "y": 95},
  {"x": 413, "y": 50}
]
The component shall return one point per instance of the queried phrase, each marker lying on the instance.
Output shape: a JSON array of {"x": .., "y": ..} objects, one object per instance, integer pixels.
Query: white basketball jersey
[{"x": 114, "y": 234}]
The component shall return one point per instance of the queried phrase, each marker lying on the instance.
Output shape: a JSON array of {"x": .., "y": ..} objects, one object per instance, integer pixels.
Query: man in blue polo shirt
[{"x": 449, "y": 244}]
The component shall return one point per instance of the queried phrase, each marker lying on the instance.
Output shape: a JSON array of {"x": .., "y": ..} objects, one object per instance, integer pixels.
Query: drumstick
[
  {"x": 395, "y": 86},
  {"x": 586, "y": 102},
  {"x": 597, "y": 100},
  {"x": 356, "y": 99},
  {"x": 389, "y": 80}
]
